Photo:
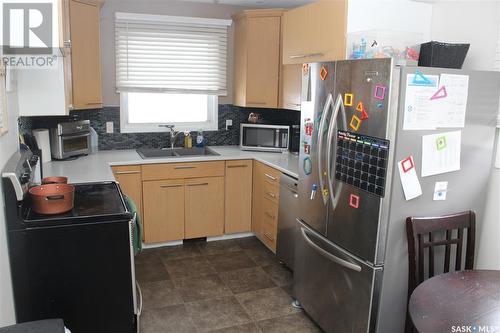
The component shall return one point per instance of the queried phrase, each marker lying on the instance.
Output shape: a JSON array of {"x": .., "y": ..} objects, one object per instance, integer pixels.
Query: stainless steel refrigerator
[{"x": 351, "y": 266}]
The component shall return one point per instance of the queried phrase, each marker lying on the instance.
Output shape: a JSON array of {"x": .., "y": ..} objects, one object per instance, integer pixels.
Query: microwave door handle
[
  {"x": 326, "y": 109},
  {"x": 75, "y": 135},
  {"x": 339, "y": 105}
]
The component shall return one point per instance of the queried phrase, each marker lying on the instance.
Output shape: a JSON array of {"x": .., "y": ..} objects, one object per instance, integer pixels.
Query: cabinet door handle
[
  {"x": 237, "y": 166},
  {"x": 168, "y": 186},
  {"x": 184, "y": 167},
  {"x": 270, "y": 177},
  {"x": 199, "y": 184},
  {"x": 272, "y": 195},
  {"x": 270, "y": 216},
  {"x": 94, "y": 103},
  {"x": 257, "y": 103},
  {"x": 308, "y": 55},
  {"x": 127, "y": 172},
  {"x": 268, "y": 236},
  {"x": 297, "y": 56}
]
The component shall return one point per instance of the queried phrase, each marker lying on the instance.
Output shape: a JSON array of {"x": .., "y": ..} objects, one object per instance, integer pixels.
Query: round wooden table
[{"x": 464, "y": 301}]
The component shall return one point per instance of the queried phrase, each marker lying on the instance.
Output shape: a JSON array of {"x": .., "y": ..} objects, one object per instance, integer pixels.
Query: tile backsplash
[{"x": 117, "y": 140}]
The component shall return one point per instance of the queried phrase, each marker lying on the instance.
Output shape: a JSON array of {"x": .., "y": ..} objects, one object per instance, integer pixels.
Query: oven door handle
[{"x": 75, "y": 135}]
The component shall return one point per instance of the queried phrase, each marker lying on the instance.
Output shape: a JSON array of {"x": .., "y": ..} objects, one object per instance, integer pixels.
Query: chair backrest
[{"x": 421, "y": 232}]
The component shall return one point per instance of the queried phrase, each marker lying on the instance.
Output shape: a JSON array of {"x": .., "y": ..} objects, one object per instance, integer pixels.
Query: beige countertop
[{"x": 97, "y": 167}]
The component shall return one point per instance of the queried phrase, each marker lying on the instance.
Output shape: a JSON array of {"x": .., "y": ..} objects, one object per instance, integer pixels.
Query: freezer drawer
[{"x": 334, "y": 288}]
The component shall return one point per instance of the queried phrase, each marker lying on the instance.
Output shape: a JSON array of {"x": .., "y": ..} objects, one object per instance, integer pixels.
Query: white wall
[
  {"x": 8, "y": 145},
  {"x": 178, "y": 8},
  {"x": 477, "y": 23},
  {"x": 396, "y": 15}
]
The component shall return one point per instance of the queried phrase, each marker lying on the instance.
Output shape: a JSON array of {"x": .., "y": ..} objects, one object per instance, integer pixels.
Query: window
[{"x": 169, "y": 69}]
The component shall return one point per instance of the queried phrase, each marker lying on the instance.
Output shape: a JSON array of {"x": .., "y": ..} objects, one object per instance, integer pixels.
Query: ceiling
[{"x": 257, "y": 3}]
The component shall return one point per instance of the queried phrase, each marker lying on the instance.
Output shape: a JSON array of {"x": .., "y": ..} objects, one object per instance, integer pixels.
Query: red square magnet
[
  {"x": 354, "y": 201},
  {"x": 407, "y": 164}
]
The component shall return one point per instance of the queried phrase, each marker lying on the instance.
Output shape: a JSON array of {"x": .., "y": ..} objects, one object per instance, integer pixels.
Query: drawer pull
[
  {"x": 270, "y": 216},
  {"x": 127, "y": 172},
  {"x": 268, "y": 236},
  {"x": 237, "y": 166},
  {"x": 184, "y": 167},
  {"x": 167, "y": 186},
  {"x": 272, "y": 195},
  {"x": 270, "y": 177},
  {"x": 199, "y": 184}
]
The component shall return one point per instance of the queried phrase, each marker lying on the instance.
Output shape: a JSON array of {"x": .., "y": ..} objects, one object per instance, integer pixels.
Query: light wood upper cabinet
[
  {"x": 130, "y": 180},
  {"x": 204, "y": 207},
  {"x": 84, "y": 17},
  {"x": 163, "y": 210},
  {"x": 315, "y": 32},
  {"x": 257, "y": 58},
  {"x": 238, "y": 217},
  {"x": 290, "y": 87}
]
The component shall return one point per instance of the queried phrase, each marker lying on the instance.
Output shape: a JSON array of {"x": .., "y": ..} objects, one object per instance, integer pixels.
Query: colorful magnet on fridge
[
  {"x": 407, "y": 164},
  {"x": 364, "y": 115},
  {"x": 441, "y": 143},
  {"x": 441, "y": 93},
  {"x": 323, "y": 73},
  {"x": 420, "y": 79},
  {"x": 307, "y": 148},
  {"x": 379, "y": 92},
  {"x": 348, "y": 99},
  {"x": 313, "y": 191},
  {"x": 380, "y": 105},
  {"x": 360, "y": 107},
  {"x": 355, "y": 122},
  {"x": 308, "y": 127},
  {"x": 305, "y": 69},
  {"x": 354, "y": 201},
  {"x": 307, "y": 166},
  {"x": 325, "y": 193}
]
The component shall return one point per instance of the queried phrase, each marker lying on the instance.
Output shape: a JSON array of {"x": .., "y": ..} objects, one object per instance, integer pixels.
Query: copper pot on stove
[{"x": 50, "y": 199}]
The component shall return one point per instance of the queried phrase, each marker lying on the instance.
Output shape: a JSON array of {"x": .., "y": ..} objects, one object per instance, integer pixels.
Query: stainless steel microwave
[{"x": 264, "y": 137}]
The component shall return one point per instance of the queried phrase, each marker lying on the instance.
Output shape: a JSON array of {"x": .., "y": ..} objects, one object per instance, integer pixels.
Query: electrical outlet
[
  {"x": 229, "y": 123},
  {"x": 109, "y": 127}
]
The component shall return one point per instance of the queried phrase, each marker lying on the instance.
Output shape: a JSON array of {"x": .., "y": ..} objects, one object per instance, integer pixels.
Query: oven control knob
[{"x": 25, "y": 177}]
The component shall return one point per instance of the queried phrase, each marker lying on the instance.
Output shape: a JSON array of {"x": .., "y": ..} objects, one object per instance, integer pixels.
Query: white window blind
[
  {"x": 159, "y": 53},
  {"x": 497, "y": 64}
]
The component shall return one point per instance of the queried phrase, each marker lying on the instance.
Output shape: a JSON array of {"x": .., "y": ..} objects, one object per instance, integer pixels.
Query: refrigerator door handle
[
  {"x": 328, "y": 255},
  {"x": 326, "y": 108},
  {"x": 339, "y": 104}
]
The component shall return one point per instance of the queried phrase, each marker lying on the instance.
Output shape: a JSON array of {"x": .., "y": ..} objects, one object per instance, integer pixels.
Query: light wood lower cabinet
[
  {"x": 265, "y": 204},
  {"x": 130, "y": 180},
  {"x": 163, "y": 210},
  {"x": 204, "y": 207},
  {"x": 238, "y": 211}
]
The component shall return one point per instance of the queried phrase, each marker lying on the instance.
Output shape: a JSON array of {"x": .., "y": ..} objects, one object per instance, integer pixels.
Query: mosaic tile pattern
[{"x": 117, "y": 140}]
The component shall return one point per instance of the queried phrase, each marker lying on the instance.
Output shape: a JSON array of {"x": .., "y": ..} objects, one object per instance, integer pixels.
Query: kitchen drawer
[
  {"x": 182, "y": 170},
  {"x": 271, "y": 175},
  {"x": 126, "y": 169},
  {"x": 269, "y": 232},
  {"x": 271, "y": 192}
]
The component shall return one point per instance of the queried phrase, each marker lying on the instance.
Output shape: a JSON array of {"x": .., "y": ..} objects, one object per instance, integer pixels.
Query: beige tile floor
[{"x": 224, "y": 286}]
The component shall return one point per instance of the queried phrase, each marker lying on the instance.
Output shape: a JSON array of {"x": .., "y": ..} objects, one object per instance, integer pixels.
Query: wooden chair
[{"x": 421, "y": 233}]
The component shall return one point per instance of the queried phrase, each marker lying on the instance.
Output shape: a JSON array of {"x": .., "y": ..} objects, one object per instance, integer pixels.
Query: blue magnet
[
  {"x": 380, "y": 105},
  {"x": 313, "y": 191}
]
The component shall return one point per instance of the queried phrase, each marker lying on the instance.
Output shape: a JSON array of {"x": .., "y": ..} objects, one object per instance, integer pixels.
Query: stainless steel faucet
[{"x": 173, "y": 134}]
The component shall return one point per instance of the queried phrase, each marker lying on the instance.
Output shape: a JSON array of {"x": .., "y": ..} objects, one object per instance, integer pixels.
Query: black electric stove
[
  {"x": 77, "y": 266},
  {"x": 93, "y": 202}
]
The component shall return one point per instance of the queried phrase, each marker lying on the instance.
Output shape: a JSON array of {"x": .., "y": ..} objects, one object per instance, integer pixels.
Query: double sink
[{"x": 147, "y": 153}]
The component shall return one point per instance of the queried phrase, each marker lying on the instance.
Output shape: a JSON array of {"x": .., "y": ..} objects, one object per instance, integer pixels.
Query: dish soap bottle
[
  {"x": 188, "y": 140},
  {"x": 200, "y": 141}
]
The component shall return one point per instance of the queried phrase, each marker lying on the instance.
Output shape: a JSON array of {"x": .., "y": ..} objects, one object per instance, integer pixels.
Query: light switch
[
  {"x": 109, "y": 127},
  {"x": 229, "y": 123}
]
